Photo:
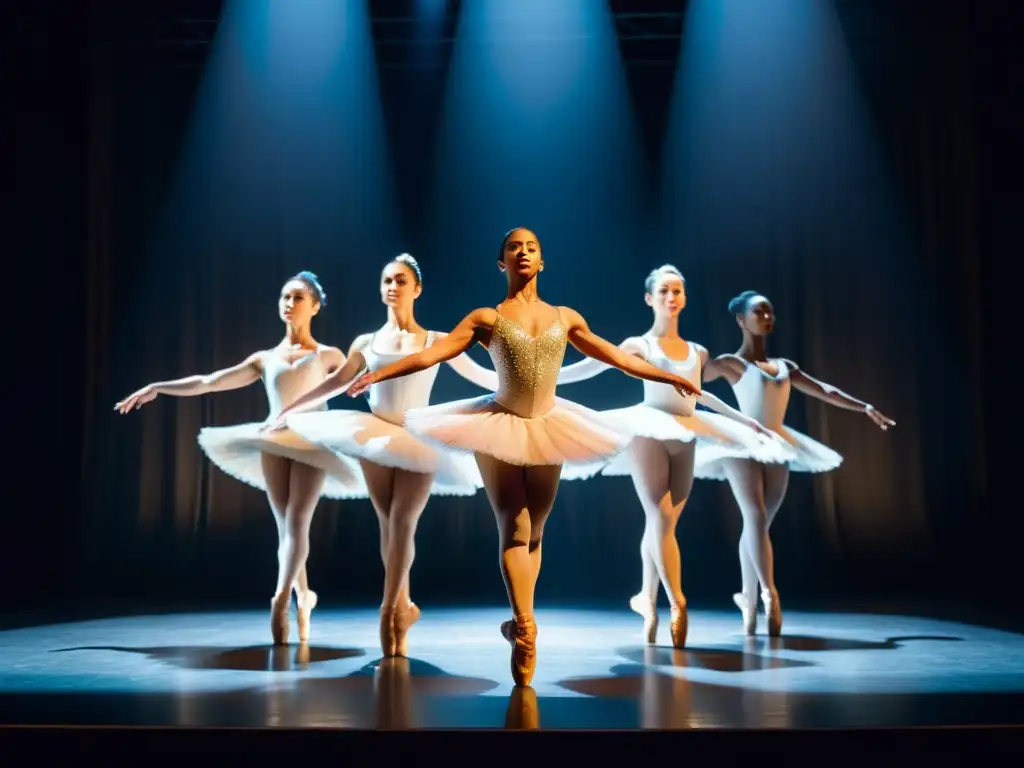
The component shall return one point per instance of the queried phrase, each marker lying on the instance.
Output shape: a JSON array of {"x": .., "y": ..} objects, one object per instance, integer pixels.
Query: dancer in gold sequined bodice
[{"x": 523, "y": 434}]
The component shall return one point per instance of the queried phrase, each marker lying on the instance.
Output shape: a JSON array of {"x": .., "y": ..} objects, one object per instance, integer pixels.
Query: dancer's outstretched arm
[
  {"x": 835, "y": 396},
  {"x": 591, "y": 367},
  {"x": 592, "y": 345},
  {"x": 471, "y": 371},
  {"x": 237, "y": 376},
  {"x": 465, "y": 334}
]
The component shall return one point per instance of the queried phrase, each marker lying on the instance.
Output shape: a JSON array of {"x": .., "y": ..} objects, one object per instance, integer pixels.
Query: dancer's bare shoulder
[
  {"x": 333, "y": 358},
  {"x": 728, "y": 366},
  {"x": 482, "y": 317},
  {"x": 634, "y": 345},
  {"x": 702, "y": 353},
  {"x": 359, "y": 343}
]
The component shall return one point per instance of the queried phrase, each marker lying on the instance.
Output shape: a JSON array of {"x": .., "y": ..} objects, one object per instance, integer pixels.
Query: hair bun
[
  {"x": 408, "y": 260},
  {"x": 310, "y": 279},
  {"x": 738, "y": 303},
  {"x": 652, "y": 277}
]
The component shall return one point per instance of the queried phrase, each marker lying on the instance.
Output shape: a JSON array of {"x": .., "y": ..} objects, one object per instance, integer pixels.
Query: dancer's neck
[
  {"x": 298, "y": 337},
  {"x": 665, "y": 327},
  {"x": 753, "y": 348},
  {"x": 402, "y": 318},
  {"x": 525, "y": 293}
]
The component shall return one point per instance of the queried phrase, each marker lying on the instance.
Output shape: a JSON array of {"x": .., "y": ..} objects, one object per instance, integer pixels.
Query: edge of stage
[{"x": 478, "y": 746}]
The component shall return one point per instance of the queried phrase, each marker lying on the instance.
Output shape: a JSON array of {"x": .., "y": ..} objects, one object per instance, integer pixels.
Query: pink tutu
[{"x": 568, "y": 434}]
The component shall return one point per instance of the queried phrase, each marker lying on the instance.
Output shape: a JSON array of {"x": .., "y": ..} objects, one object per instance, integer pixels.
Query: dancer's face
[
  {"x": 521, "y": 255},
  {"x": 398, "y": 286},
  {"x": 669, "y": 296},
  {"x": 759, "y": 317},
  {"x": 297, "y": 304}
]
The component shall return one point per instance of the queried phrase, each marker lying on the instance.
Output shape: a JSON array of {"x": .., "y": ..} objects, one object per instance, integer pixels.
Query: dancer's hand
[
  {"x": 360, "y": 385},
  {"x": 136, "y": 400},
  {"x": 686, "y": 389},
  {"x": 879, "y": 418},
  {"x": 275, "y": 424}
]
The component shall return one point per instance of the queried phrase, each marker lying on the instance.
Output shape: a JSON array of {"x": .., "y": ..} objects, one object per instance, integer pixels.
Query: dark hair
[
  {"x": 407, "y": 260},
  {"x": 652, "y": 278},
  {"x": 738, "y": 304},
  {"x": 504, "y": 240},
  {"x": 311, "y": 282}
]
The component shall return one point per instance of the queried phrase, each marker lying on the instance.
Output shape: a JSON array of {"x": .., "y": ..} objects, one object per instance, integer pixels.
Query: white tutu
[
  {"x": 717, "y": 437},
  {"x": 237, "y": 451},
  {"x": 811, "y": 456},
  {"x": 805, "y": 455},
  {"x": 354, "y": 435},
  {"x": 579, "y": 439}
]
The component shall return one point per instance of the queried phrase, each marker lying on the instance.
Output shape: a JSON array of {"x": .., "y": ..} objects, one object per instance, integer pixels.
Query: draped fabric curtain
[{"x": 906, "y": 336}]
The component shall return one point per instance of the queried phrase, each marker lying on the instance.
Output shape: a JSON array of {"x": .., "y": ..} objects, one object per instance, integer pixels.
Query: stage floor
[{"x": 219, "y": 670}]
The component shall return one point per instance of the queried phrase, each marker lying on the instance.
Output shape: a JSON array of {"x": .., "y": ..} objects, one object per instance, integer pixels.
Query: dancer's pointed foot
[
  {"x": 521, "y": 633},
  {"x": 642, "y": 605},
  {"x": 305, "y": 604},
  {"x": 679, "y": 625},
  {"x": 772, "y": 612},
  {"x": 748, "y": 608},
  {"x": 279, "y": 606},
  {"x": 404, "y": 619}
]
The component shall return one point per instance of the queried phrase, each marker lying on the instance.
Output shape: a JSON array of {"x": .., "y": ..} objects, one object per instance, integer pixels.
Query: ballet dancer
[
  {"x": 293, "y": 472},
  {"x": 522, "y": 435},
  {"x": 668, "y": 432},
  {"x": 762, "y": 388},
  {"x": 400, "y": 471}
]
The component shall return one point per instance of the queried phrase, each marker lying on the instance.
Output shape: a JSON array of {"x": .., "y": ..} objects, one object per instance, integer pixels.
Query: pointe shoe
[
  {"x": 403, "y": 620},
  {"x": 641, "y": 605},
  {"x": 772, "y": 612},
  {"x": 279, "y": 605},
  {"x": 679, "y": 625},
  {"x": 305, "y": 604},
  {"x": 388, "y": 636},
  {"x": 521, "y": 633},
  {"x": 749, "y": 610}
]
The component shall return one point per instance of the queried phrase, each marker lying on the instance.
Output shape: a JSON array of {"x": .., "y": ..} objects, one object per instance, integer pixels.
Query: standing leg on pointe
[
  {"x": 380, "y": 484},
  {"x": 512, "y": 490},
  {"x": 776, "y": 481},
  {"x": 663, "y": 477},
  {"x": 276, "y": 475},
  {"x": 746, "y": 478},
  {"x": 304, "y": 486},
  {"x": 410, "y": 492}
]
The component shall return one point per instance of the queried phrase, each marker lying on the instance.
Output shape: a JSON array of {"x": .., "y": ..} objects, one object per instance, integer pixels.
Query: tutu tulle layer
[
  {"x": 579, "y": 439},
  {"x": 237, "y": 450},
  {"x": 354, "y": 435},
  {"x": 717, "y": 437},
  {"x": 805, "y": 455},
  {"x": 811, "y": 456}
]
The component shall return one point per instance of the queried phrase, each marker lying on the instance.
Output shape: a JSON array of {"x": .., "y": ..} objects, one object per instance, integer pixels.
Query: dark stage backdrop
[{"x": 107, "y": 508}]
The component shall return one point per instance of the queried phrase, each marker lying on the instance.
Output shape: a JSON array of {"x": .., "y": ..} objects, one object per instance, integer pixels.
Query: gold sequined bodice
[{"x": 527, "y": 366}]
